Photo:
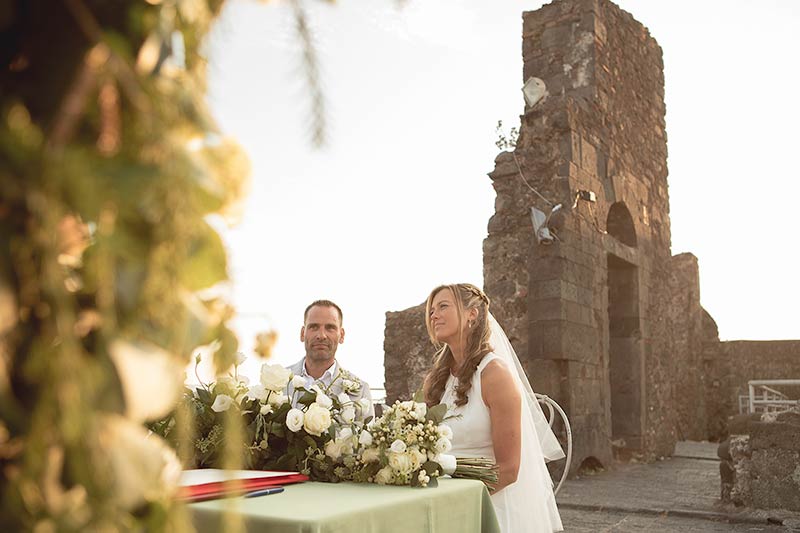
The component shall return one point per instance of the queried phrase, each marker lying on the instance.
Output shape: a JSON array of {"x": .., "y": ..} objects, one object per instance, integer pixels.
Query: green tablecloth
[{"x": 456, "y": 505}]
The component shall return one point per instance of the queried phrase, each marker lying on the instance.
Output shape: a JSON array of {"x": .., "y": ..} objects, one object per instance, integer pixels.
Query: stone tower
[{"x": 588, "y": 309}]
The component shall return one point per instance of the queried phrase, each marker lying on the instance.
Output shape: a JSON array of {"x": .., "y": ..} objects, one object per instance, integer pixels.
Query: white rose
[
  {"x": 345, "y": 433},
  {"x": 398, "y": 446},
  {"x": 274, "y": 377},
  {"x": 222, "y": 403},
  {"x": 294, "y": 420},
  {"x": 298, "y": 381},
  {"x": 400, "y": 462},
  {"x": 365, "y": 438},
  {"x": 418, "y": 457},
  {"x": 344, "y": 398},
  {"x": 244, "y": 380},
  {"x": 370, "y": 455},
  {"x": 442, "y": 445},
  {"x": 265, "y": 409},
  {"x": 276, "y": 400},
  {"x": 408, "y": 405},
  {"x": 317, "y": 419},
  {"x": 384, "y": 476},
  {"x": 323, "y": 400},
  {"x": 257, "y": 392},
  {"x": 333, "y": 449},
  {"x": 349, "y": 414},
  {"x": 447, "y": 462},
  {"x": 420, "y": 409},
  {"x": 445, "y": 431}
]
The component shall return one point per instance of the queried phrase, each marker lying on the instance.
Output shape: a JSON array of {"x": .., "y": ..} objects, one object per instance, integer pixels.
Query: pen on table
[{"x": 264, "y": 492}]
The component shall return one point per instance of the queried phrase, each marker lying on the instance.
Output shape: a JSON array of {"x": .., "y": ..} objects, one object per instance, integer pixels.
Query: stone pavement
[{"x": 679, "y": 493}]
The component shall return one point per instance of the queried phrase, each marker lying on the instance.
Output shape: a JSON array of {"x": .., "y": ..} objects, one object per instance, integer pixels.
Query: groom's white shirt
[{"x": 325, "y": 379}]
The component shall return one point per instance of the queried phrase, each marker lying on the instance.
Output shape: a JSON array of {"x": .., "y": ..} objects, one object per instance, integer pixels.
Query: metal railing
[{"x": 763, "y": 397}]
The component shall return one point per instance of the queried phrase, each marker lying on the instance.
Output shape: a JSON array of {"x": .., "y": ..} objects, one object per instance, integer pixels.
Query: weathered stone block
[{"x": 774, "y": 435}]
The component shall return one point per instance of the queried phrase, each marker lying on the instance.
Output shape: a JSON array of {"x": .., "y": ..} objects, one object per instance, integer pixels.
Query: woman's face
[{"x": 444, "y": 317}]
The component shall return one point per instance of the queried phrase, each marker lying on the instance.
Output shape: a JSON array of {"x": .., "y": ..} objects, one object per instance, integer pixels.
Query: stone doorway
[{"x": 625, "y": 361}]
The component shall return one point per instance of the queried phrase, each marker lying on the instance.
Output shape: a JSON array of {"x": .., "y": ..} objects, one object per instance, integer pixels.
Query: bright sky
[{"x": 399, "y": 200}]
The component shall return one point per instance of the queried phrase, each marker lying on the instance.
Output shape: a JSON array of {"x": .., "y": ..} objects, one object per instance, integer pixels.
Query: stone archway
[{"x": 625, "y": 358}]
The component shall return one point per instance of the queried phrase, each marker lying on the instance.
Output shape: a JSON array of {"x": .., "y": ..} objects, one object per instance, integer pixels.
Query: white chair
[{"x": 551, "y": 408}]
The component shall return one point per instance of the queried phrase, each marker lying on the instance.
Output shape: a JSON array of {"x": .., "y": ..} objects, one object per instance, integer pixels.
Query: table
[{"x": 455, "y": 506}]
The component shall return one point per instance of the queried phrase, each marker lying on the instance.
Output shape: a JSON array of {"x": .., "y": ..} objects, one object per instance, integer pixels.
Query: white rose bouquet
[{"x": 408, "y": 445}]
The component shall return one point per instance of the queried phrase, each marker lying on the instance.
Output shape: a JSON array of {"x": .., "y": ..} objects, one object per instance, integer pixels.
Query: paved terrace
[{"x": 679, "y": 493}]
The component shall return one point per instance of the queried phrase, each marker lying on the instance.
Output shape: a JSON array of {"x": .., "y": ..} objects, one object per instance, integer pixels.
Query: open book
[{"x": 212, "y": 483}]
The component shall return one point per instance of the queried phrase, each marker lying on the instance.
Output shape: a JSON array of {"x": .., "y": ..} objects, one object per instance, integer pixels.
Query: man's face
[{"x": 322, "y": 333}]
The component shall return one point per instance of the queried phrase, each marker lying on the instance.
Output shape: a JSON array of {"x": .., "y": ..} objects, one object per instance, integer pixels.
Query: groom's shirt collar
[{"x": 326, "y": 378}]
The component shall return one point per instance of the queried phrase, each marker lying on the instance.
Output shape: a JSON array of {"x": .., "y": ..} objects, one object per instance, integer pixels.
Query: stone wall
[
  {"x": 408, "y": 353},
  {"x": 765, "y": 464},
  {"x": 749, "y": 360},
  {"x": 685, "y": 317}
]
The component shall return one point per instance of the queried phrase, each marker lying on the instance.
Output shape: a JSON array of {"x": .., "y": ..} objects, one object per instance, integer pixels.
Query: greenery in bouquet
[{"x": 274, "y": 435}]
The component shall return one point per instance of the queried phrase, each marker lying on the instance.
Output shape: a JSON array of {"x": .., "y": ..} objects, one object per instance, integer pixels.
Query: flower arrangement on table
[
  {"x": 406, "y": 445},
  {"x": 276, "y": 435},
  {"x": 326, "y": 436}
]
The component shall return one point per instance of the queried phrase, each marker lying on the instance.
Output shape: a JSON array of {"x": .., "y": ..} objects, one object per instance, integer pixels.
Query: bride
[{"x": 477, "y": 374}]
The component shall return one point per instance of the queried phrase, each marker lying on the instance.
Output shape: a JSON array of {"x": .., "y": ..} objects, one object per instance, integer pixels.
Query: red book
[{"x": 209, "y": 483}]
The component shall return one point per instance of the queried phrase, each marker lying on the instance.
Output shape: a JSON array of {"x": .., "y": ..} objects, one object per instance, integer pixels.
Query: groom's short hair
[{"x": 323, "y": 303}]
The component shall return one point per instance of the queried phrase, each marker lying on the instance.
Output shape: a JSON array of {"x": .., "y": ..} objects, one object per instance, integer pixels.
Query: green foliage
[{"x": 111, "y": 166}]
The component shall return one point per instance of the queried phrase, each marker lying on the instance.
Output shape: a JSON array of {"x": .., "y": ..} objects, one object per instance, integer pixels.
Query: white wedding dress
[{"x": 526, "y": 506}]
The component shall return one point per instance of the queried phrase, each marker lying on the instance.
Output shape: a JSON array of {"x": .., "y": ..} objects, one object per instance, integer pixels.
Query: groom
[{"x": 322, "y": 333}]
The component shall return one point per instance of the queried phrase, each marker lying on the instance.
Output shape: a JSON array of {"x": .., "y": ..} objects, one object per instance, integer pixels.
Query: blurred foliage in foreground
[{"x": 110, "y": 169}]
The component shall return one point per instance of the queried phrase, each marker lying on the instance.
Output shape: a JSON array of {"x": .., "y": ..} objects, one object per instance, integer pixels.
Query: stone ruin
[
  {"x": 605, "y": 319},
  {"x": 760, "y": 461}
]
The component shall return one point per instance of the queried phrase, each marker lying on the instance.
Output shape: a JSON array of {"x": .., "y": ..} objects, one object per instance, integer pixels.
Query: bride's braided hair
[{"x": 475, "y": 342}]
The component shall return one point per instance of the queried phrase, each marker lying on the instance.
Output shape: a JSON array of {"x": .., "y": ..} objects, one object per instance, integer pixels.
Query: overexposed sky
[{"x": 398, "y": 201}]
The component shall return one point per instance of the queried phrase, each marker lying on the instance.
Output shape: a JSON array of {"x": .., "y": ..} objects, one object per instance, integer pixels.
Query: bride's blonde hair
[{"x": 475, "y": 341}]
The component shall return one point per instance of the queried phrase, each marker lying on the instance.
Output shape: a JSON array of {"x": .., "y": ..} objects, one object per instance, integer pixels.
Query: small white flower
[
  {"x": 294, "y": 420},
  {"x": 343, "y": 398},
  {"x": 420, "y": 409},
  {"x": 384, "y": 476},
  {"x": 257, "y": 392},
  {"x": 276, "y": 400},
  {"x": 445, "y": 431},
  {"x": 442, "y": 445},
  {"x": 323, "y": 400},
  {"x": 370, "y": 455},
  {"x": 351, "y": 386},
  {"x": 365, "y": 438},
  {"x": 298, "y": 381},
  {"x": 349, "y": 414},
  {"x": 263, "y": 444},
  {"x": 222, "y": 403},
  {"x": 333, "y": 449},
  {"x": 345, "y": 433},
  {"x": 265, "y": 409},
  {"x": 398, "y": 446},
  {"x": 240, "y": 358}
]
